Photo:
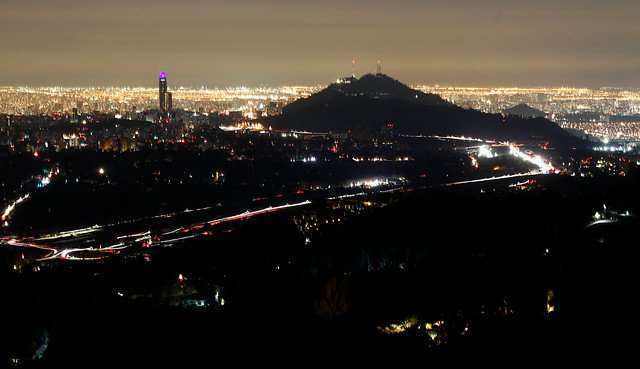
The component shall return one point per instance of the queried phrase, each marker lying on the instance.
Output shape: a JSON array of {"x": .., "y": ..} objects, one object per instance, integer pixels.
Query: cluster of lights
[
  {"x": 9, "y": 209},
  {"x": 560, "y": 100},
  {"x": 369, "y": 183},
  {"x": 536, "y": 160},
  {"x": 432, "y": 329},
  {"x": 607, "y": 130},
  {"x": 378, "y": 158},
  {"x": 625, "y": 148},
  {"x": 375, "y": 182},
  {"x": 484, "y": 151},
  {"x": 474, "y": 162},
  {"x": 454, "y": 138},
  {"x": 49, "y": 100},
  {"x": 45, "y": 180},
  {"x": 245, "y": 126}
]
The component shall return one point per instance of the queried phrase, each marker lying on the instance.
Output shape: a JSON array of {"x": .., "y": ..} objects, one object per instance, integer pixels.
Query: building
[
  {"x": 125, "y": 144},
  {"x": 6, "y": 128},
  {"x": 74, "y": 116},
  {"x": 194, "y": 301},
  {"x": 168, "y": 101},
  {"x": 105, "y": 144},
  {"x": 71, "y": 140},
  {"x": 163, "y": 91}
]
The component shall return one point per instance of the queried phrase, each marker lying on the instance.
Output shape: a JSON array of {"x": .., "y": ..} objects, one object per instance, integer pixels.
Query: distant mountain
[
  {"x": 524, "y": 111},
  {"x": 376, "y": 86},
  {"x": 375, "y": 100}
]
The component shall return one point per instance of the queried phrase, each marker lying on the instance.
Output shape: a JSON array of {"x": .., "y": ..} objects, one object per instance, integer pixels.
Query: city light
[
  {"x": 484, "y": 151},
  {"x": 376, "y": 182},
  {"x": 9, "y": 209},
  {"x": 536, "y": 160},
  {"x": 586, "y": 111},
  {"x": 50, "y": 100}
]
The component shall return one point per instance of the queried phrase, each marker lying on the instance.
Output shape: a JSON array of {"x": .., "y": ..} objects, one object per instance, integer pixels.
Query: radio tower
[{"x": 379, "y": 67}]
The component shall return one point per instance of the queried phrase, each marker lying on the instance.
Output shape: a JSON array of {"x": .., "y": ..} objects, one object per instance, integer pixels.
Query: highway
[
  {"x": 64, "y": 245},
  {"x": 56, "y": 245},
  {"x": 144, "y": 239},
  {"x": 86, "y": 244}
]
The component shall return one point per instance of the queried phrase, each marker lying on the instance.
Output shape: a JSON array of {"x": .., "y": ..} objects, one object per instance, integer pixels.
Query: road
[
  {"x": 145, "y": 239},
  {"x": 85, "y": 244}
]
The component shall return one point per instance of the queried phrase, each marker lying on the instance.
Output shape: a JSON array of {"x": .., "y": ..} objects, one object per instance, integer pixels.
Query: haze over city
[{"x": 255, "y": 42}]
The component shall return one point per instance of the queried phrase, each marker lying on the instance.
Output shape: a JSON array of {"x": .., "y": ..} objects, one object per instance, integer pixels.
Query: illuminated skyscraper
[{"x": 163, "y": 91}]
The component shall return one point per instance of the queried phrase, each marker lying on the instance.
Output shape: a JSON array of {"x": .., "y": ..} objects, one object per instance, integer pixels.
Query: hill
[
  {"x": 373, "y": 101},
  {"x": 376, "y": 86},
  {"x": 524, "y": 111}
]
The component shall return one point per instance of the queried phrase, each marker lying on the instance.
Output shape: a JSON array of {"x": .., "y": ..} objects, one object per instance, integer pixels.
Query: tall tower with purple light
[{"x": 163, "y": 91}]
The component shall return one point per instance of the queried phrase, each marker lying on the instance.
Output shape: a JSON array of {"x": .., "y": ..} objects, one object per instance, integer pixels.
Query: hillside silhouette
[{"x": 376, "y": 100}]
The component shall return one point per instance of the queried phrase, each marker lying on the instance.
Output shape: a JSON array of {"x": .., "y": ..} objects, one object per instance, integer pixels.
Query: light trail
[
  {"x": 392, "y": 190},
  {"x": 309, "y": 133},
  {"x": 174, "y": 231},
  {"x": 248, "y": 214},
  {"x": 347, "y": 196},
  {"x": 506, "y": 176},
  {"x": 94, "y": 254},
  {"x": 134, "y": 235},
  {"x": 452, "y": 138},
  {"x": 73, "y": 232},
  {"x": 601, "y": 221},
  {"x": 519, "y": 184},
  {"x": 536, "y": 160},
  {"x": 178, "y": 239},
  {"x": 15, "y": 242},
  {"x": 147, "y": 237},
  {"x": 9, "y": 209},
  {"x": 44, "y": 181}
]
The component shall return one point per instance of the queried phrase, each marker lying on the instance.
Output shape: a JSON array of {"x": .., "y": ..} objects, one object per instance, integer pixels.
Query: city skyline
[{"x": 498, "y": 43}]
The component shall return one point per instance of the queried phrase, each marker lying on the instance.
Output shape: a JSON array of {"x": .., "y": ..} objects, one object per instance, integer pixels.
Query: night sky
[{"x": 254, "y": 42}]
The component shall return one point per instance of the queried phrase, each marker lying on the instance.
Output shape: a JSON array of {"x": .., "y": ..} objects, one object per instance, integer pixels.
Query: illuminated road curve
[
  {"x": 601, "y": 221},
  {"x": 138, "y": 239}
]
